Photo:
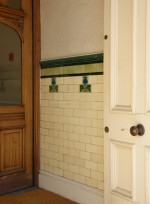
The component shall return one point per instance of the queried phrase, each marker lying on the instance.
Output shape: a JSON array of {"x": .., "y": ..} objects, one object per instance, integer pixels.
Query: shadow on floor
[{"x": 34, "y": 196}]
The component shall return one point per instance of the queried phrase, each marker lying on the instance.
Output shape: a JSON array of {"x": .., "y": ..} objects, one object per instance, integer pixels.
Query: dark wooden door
[{"x": 16, "y": 96}]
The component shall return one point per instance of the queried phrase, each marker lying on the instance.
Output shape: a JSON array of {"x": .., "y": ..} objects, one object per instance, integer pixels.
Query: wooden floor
[{"x": 36, "y": 196}]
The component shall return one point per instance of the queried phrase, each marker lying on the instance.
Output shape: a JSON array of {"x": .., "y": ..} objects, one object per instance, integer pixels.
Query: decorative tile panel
[
  {"x": 85, "y": 87},
  {"x": 53, "y": 87}
]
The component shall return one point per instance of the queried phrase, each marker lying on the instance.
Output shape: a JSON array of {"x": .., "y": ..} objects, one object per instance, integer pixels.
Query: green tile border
[
  {"x": 71, "y": 75},
  {"x": 87, "y": 59}
]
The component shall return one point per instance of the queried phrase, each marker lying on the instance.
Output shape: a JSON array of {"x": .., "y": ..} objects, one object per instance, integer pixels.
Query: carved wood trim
[
  {"x": 9, "y": 121},
  {"x": 13, "y": 18}
]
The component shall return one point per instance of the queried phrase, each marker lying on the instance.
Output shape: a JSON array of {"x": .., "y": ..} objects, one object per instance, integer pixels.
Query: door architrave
[{"x": 36, "y": 88}]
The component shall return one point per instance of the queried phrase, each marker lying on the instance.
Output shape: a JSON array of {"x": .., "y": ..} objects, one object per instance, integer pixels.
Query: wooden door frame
[{"x": 36, "y": 89}]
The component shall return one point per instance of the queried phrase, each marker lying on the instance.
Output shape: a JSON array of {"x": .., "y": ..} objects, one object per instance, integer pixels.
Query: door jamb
[{"x": 36, "y": 89}]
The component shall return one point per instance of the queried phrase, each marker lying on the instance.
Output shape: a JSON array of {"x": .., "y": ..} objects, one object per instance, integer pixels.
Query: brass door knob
[{"x": 137, "y": 130}]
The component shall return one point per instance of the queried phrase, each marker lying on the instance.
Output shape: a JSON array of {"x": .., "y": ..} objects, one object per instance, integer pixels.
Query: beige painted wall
[{"x": 71, "y": 28}]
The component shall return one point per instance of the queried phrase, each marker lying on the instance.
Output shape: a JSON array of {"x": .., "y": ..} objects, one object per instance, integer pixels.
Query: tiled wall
[{"x": 72, "y": 130}]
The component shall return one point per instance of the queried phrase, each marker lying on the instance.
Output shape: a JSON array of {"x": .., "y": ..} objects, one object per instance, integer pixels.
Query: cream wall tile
[
  {"x": 97, "y": 123},
  {"x": 53, "y": 104},
  {"x": 58, "y": 141},
  {"x": 101, "y": 185},
  {"x": 49, "y": 154},
  {"x": 44, "y": 89},
  {"x": 58, "y": 111},
  {"x": 92, "y": 182},
  {"x": 80, "y": 146},
  {"x": 44, "y": 160},
  {"x": 69, "y": 80},
  {"x": 74, "y": 153},
  {"x": 85, "y": 106},
  {"x": 53, "y": 133},
  {"x": 73, "y": 121},
  {"x": 68, "y": 96},
  {"x": 79, "y": 178},
  {"x": 79, "y": 162},
  {"x": 91, "y": 114},
  {"x": 85, "y": 122},
  {"x": 63, "y": 135},
  {"x": 97, "y": 141},
  {"x": 91, "y": 148},
  {"x": 58, "y": 171},
  {"x": 91, "y": 165},
  {"x": 64, "y": 119},
  {"x": 44, "y": 146},
  {"x": 63, "y": 104},
  {"x": 73, "y": 104},
  {"x": 69, "y": 175},
  {"x": 91, "y": 131},
  {"x": 100, "y": 167},
  {"x": 68, "y": 112},
  {"x": 74, "y": 88},
  {"x": 68, "y": 143},
  {"x": 63, "y": 165},
  {"x": 80, "y": 113},
  {"x": 64, "y": 150},
  {"x": 63, "y": 88},
  {"x": 49, "y": 140},
  {"x": 60, "y": 80},
  {"x": 73, "y": 168},
  {"x": 68, "y": 159},
  {"x": 58, "y": 96},
  {"x": 101, "y": 150},
  {"x": 71, "y": 130},
  {"x": 53, "y": 147},
  {"x": 68, "y": 128},
  {"x": 97, "y": 175},
  {"x": 44, "y": 103},
  {"x": 85, "y": 155},
  {"x": 85, "y": 138},
  {"x": 53, "y": 162},
  {"x": 73, "y": 136},
  {"x": 49, "y": 168},
  {"x": 100, "y": 115},
  {"x": 96, "y": 88},
  {"x": 85, "y": 172},
  {"x": 79, "y": 129},
  {"x": 43, "y": 131},
  {"x": 58, "y": 126},
  {"x": 78, "y": 80}
]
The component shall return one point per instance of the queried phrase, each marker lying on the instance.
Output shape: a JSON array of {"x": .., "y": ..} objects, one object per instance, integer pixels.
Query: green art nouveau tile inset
[
  {"x": 53, "y": 87},
  {"x": 85, "y": 87}
]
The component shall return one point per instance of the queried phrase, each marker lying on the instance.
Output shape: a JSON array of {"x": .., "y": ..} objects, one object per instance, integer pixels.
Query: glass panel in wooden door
[
  {"x": 16, "y": 4},
  {"x": 10, "y": 66},
  {"x": 16, "y": 117}
]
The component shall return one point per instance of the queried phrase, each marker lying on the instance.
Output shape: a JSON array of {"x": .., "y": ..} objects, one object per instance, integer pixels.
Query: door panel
[
  {"x": 126, "y": 90},
  {"x": 122, "y": 62},
  {"x": 16, "y": 116},
  {"x": 122, "y": 156},
  {"x": 12, "y": 150}
]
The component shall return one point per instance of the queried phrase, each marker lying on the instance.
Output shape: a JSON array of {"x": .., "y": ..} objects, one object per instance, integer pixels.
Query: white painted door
[{"x": 127, "y": 101}]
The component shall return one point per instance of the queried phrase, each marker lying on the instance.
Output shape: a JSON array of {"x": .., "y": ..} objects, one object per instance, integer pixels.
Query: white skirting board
[{"x": 72, "y": 190}]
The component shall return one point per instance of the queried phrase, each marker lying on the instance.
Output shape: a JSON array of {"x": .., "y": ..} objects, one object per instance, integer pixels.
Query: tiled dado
[
  {"x": 71, "y": 128},
  {"x": 75, "y": 66}
]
